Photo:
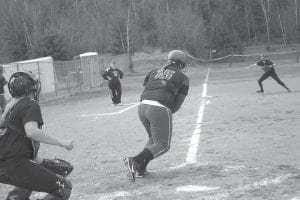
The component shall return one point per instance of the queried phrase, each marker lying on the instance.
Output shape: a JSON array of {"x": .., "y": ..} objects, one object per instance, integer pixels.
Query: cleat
[
  {"x": 131, "y": 165},
  {"x": 141, "y": 174},
  {"x": 260, "y": 91}
]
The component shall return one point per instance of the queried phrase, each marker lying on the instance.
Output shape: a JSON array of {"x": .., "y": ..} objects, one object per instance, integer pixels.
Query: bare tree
[
  {"x": 248, "y": 23},
  {"x": 265, "y": 11},
  {"x": 296, "y": 13},
  {"x": 129, "y": 52},
  {"x": 283, "y": 33}
]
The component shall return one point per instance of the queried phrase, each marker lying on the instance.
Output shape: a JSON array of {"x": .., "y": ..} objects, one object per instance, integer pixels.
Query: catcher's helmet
[
  {"x": 178, "y": 57},
  {"x": 24, "y": 83}
]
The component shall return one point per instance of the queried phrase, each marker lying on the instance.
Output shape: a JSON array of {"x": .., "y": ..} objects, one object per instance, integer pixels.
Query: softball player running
[
  {"x": 20, "y": 137},
  {"x": 164, "y": 92},
  {"x": 268, "y": 67}
]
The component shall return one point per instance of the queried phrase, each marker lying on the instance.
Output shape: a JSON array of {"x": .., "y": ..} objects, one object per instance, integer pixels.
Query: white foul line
[
  {"x": 112, "y": 113},
  {"x": 266, "y": 182},
  {"x": 192, "y": 153}
]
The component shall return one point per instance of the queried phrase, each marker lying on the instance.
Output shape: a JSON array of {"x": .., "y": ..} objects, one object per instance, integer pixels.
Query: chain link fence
[
  {"x": 65, "y": 78},
  {"x": 288, "y": 54}
]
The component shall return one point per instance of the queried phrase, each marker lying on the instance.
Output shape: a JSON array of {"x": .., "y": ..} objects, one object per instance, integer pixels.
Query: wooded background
[{"x": 66, "y": 28}]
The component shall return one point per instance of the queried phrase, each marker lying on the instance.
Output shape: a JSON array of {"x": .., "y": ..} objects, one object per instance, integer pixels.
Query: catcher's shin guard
[
  {"x": 62, "y": 168},
  {"x": 63, "y": 192},
  {"x": 58, "y": 166}
]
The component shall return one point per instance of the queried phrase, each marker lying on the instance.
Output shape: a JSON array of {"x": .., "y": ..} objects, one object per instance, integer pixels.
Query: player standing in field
[
  {"x": 164, "y": 92},
  {"x": 268, "y": 67},
  {"x": 113, "y": 75},
  {"x": 20, "y": 138}
]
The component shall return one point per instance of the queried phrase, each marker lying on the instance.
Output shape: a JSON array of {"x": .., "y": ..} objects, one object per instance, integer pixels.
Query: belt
[{"x": 153, "y": 103}]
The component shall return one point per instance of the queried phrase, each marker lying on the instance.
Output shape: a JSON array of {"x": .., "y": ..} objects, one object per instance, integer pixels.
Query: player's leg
[
  {"x": 160, "y": 121},
  {"x": 161, "y": 129},
  {"x": 261, "y": 79},
  {"x": 142, "y": 166},
  {"x": 19, "y": 194},
  {"x": 113, "y": 93},
  {"x": 118, "y": 93},
  {"x": 276, "y": 78},
  {"x": 131, "y": 162},
  {"x": 27, "y": 174}
]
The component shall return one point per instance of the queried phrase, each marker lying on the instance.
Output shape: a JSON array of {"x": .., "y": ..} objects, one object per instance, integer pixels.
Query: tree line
[{"x": 66, "y": 28}]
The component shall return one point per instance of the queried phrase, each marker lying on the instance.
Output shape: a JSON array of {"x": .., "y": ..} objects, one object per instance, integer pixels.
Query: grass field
[{"x": 246, "y": 146}]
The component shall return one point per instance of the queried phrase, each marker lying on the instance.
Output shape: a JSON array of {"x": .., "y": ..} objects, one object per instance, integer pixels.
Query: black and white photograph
[{"x": 149, "y": 99}]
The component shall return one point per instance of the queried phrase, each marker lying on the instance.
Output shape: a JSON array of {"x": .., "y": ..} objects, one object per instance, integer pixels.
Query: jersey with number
[
  {"x": 164, "y": 84},
  {"x": 266, "y": 65},
  {"x": 114, "y": 74}
]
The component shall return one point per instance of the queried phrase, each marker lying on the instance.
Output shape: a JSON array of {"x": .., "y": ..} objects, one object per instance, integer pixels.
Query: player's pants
[
  {"x": 273, "y": 74},
  {"x": 24, "y": 173},
  {"x": 157, "y": 121},
  {"x": 115, "y": 91}
]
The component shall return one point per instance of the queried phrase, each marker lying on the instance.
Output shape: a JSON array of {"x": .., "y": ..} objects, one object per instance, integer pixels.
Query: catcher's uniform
[
  {"x": 17, "y": 153},
  {"x": 157, "y": 105},
  {"x": 268, "y": 67},
  {"x": 3, "y": 82},
  {"x": 113, "y": 75}
]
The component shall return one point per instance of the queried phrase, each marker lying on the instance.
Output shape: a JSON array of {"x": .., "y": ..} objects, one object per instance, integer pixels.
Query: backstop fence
[{"x": 64, "y": 78}]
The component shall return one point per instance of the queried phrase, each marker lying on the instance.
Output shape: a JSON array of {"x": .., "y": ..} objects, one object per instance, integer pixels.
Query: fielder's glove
[{"x": 58, "y": 166}]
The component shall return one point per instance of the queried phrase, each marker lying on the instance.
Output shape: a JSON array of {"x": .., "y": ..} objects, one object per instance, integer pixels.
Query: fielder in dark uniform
[
  {"x": 268, "y": 67},
  {"x": 20, "y": 137},
  {"x": 113, "y": 75},
  {"x": 164, "y": 92}
]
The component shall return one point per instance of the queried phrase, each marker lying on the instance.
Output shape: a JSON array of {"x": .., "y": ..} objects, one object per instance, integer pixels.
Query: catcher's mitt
[{"x": 58, "y": 166}]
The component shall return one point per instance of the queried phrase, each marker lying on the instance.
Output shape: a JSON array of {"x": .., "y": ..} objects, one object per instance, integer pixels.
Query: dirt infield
[{"x": 248, "y": 147}]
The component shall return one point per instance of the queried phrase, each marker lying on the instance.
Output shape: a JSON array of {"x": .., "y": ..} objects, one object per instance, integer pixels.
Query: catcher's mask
[
  {"x": 23, "y": 84},
  {"x": 178, "y": 57}
]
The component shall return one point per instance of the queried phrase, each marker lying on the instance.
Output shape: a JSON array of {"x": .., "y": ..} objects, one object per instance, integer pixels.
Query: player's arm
[
  {"x": 106, "y": 76},
  {"x": 179, "y": 100},
  {"x": 34, "y": 133},
  {"x": 270, "y": 63},
  {"x": 121, "y": 74},
  {"x": 181, "y": 96},
  {"x": 146, "y": 79}
]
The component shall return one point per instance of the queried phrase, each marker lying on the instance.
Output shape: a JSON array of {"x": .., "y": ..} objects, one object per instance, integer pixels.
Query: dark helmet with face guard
[{"x": 23, "y": 84}]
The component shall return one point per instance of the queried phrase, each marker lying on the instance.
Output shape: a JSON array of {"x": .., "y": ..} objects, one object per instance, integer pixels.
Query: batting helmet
[
  {"x": 178, "y": 57},
  {"x": 24, "y": 83}
]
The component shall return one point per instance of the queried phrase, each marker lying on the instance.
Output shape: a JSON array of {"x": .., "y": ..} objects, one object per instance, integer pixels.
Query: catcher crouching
[{"x": 20, "y": 138}]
